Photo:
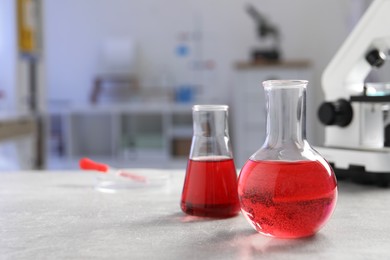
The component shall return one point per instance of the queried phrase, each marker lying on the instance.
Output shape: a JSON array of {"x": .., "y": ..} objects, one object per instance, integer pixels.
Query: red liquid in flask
[
  {"x": 287, "y": 199},
  {"x": 210, "y": 188}
]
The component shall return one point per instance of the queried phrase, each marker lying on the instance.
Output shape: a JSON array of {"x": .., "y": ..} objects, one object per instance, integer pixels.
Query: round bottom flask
[{"x": 286, "y": 189}]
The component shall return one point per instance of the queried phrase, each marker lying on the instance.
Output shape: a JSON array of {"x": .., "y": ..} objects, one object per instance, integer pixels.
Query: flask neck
[
  {"x": 210, "y": 123},
  {"x": 286, "y": 113},
  {"x": 211, "y": 137}
]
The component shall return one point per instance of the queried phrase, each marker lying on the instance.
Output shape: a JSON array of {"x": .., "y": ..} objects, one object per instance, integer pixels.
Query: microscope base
[{"x": 365, "y": 166}]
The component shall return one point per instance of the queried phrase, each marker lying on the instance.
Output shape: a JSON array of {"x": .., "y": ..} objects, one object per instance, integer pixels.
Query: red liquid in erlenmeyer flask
[
  {"x": 287, "y": 199},
  {"x": 210, "y": 188}
]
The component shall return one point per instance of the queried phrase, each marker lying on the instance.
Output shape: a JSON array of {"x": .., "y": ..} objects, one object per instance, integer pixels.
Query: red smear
[
  {"x": 88, "y": 164},
  {"x": 133, "y": 176}
]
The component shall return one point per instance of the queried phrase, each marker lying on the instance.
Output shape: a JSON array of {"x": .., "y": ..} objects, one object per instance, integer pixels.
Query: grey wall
[{"x": 76, "y": 29}]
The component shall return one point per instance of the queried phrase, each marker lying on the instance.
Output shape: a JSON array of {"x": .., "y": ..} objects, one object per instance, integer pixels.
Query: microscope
[
  {"x": 356, "y": 113},
  {"x": 265, "y": 30}
]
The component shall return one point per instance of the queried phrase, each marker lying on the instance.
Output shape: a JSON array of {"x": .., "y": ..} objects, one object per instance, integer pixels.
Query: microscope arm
[
  {"x": 366, "y": 47},
  {"x": 264, "y": 28}
]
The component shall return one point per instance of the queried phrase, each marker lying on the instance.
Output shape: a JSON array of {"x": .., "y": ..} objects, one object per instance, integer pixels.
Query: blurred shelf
[
  {"x": 181, "y": 132},
  {"x": 14, "y": 126},
  {"x": 140, "y": 134},
  {"x": 65, "y": 163}
]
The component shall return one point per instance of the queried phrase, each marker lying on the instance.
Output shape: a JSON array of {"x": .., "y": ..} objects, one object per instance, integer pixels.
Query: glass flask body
[
  {"x": 210, "y": 185},
  {"x": 287, "y": 189}
]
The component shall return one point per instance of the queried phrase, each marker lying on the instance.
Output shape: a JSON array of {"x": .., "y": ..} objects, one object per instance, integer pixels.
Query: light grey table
[{"x": 59, "y": 215}]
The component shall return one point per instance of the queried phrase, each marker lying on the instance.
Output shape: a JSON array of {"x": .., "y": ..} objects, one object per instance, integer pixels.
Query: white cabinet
[
  {"x": 18, "y": 142},
  {"x": 248, "y": 111},
  {"x": 134, "y": 135}
]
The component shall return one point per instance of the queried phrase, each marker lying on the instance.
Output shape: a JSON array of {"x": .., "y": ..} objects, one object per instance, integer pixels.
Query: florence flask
[{"x": 287, "y": 189}]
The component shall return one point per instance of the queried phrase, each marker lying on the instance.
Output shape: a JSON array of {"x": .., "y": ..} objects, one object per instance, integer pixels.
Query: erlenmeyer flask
[
  {"x": 286, "y": 189},
  {"x": 210, "y": 186}
]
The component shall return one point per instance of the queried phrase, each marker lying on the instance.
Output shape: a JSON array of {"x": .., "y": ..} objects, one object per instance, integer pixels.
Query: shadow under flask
[
  {"x": 210, "y": 186},
  {"x": 286, "y": 188}
]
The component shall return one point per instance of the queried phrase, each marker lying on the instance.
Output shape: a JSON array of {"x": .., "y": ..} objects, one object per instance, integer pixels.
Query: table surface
[{"x": 60, "y": 215}]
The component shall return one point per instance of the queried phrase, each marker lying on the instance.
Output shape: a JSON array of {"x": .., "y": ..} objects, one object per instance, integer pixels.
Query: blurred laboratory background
[{"x": 115, "y": 80}]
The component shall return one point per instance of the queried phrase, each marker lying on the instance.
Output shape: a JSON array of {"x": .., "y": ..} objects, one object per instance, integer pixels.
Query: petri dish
[{"x": 149, "y": 179}]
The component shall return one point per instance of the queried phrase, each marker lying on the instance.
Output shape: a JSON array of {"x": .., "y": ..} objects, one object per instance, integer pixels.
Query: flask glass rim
[
  {"x": 210, "y": 108},
  {"x": 284, "y": 84}
]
